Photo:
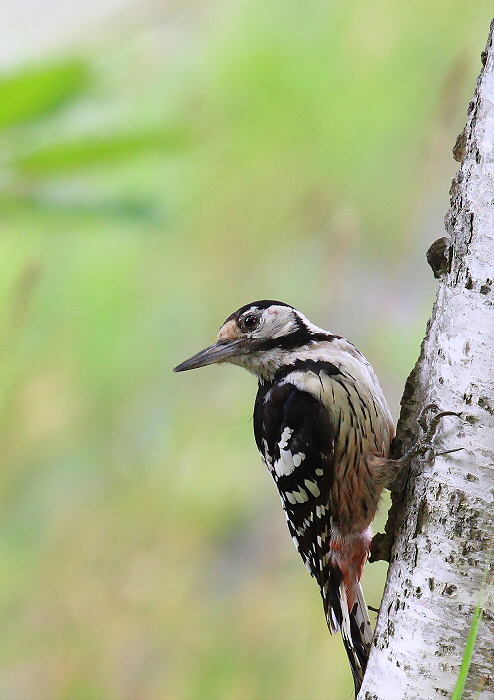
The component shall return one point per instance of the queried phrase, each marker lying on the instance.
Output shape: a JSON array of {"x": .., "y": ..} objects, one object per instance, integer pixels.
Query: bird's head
[{"x": 258, "y": 336}]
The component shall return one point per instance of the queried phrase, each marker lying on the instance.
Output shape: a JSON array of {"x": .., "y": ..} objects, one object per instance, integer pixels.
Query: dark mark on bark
[
  {"x": 486, "y": 288},
  {"x": 439, "y": 256},
  {"x": 483, "y": 402},
  {"x": 422, "y": 518},
  {"x": 459, "y": 148},
  {"x": 450, "y": 590}
]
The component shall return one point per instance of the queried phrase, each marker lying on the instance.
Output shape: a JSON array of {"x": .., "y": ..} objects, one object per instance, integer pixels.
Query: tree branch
[{"x": 443, "y": 511}]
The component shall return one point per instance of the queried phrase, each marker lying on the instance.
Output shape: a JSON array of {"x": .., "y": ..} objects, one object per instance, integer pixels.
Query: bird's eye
[{"x": 250, "y": 322}]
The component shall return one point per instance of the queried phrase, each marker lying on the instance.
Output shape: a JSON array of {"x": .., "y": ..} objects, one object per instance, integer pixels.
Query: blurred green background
[{"x": 163, "y": 163}]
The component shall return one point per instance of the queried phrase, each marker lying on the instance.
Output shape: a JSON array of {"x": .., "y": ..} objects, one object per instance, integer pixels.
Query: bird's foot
[{"x": 429, "y": 418}]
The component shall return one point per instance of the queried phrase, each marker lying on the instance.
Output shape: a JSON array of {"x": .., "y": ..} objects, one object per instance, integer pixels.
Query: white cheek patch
[
  {"x": 281, "y": 329},
  {"x": 278, "y": 321}
]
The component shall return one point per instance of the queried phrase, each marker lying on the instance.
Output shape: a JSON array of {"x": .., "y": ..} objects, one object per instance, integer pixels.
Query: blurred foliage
[
  {"x": 224, "y": 152},
  {"x": 32, "y": 94}
]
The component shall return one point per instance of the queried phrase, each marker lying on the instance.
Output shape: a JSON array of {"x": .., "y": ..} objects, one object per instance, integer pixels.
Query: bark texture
[{"x": 444, "y": 513}]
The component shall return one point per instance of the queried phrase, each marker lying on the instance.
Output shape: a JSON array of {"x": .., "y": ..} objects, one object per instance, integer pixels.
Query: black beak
[{"x": 219, "y": 352}]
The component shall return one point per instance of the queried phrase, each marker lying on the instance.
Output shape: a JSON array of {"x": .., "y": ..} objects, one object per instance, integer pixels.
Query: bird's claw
[
  {"x": 422, "y": 420},
  {"x": 428, "y": 426}
]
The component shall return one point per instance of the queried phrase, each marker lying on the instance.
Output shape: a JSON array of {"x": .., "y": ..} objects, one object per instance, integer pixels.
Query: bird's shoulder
[{"x": 294, "y": 435}]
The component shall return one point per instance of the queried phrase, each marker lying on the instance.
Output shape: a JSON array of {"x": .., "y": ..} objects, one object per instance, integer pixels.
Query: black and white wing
[{"x": 295, "y": 437}]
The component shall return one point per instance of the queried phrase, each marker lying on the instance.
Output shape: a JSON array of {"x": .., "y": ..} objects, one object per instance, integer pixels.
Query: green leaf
[
  {"x": 109, "y": 208},
  {"x": 88, "y": 152},
  {"x": 30, "y": 94}
]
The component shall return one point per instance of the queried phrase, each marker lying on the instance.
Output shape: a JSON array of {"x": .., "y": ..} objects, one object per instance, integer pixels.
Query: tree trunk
[{"x": 444, "y": 514}]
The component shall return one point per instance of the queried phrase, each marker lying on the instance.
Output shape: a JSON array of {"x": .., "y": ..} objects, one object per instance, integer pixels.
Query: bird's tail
[
  {"x": 356, "y": 632},
  {"x": 355, "y": 626}
]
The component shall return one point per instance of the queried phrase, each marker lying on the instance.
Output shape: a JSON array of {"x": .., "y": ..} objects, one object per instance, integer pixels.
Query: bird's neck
[{"x": 266, "y": 365}]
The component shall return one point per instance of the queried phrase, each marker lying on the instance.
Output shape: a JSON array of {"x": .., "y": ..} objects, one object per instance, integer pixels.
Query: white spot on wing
[
  {"x": 267, "y": 457},
  {"x": 285, "y": 436},
  {"x": 300, "y": 495},
  {"x": 313, "y": 487},
  {"x": 287, "y": 462}
]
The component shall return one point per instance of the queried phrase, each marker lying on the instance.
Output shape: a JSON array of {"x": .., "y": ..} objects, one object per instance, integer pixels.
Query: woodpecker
[{"x": 324, "y": 429}]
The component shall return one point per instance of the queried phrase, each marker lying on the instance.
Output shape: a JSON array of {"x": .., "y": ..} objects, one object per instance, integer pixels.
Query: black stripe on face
[
  {"x": 315, "y": 366},
  {"x": 294, "y": 340}
]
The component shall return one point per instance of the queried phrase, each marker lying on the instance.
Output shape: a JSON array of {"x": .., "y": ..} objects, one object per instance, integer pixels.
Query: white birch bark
[{"x": 445, "y": 515}]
